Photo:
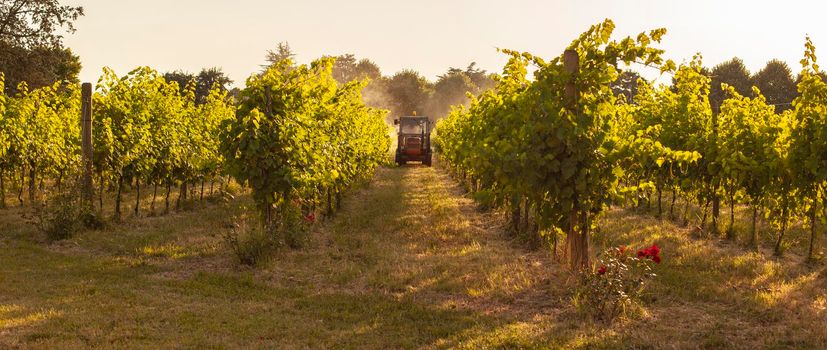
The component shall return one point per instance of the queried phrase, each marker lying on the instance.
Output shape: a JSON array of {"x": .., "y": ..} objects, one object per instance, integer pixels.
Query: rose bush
[{"x": 615, "y": 286}]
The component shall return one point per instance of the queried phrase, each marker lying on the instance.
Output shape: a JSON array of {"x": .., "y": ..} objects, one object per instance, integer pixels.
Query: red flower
[
  {"x": 310, "y": 217},
  {"x": 601, "y": 270},
  {"x": 652, "y": 252}
]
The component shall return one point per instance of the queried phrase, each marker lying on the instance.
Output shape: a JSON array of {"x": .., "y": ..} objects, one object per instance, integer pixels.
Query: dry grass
[{"x": 408, "y": 263}]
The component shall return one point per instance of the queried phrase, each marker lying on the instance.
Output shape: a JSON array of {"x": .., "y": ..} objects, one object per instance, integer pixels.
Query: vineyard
[
  {"x": 297, "y": 139},
  {"x": 562, "y": 148},
  {"x": 559, "y": 213}
]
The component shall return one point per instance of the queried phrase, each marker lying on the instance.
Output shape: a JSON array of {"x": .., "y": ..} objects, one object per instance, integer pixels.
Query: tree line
[
  {"x": 775, "y": 81},
  {"x": 406, "y": 91}
]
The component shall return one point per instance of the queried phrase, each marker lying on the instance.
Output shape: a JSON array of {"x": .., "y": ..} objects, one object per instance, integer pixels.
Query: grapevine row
[
  {"x": 562, "y": 147},
  {"x": 294, "y": 136},
  {"x": 299, "y": 139}
]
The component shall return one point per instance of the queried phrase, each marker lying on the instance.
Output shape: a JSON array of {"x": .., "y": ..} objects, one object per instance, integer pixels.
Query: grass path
[{"x": 407, "y": 263}]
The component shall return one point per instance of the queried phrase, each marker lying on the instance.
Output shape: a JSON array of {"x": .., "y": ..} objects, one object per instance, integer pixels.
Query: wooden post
[
  {"x": 86, "y": 142},
  {"x": 571, "y": 63},
  {"x": 577, "y": 237}
]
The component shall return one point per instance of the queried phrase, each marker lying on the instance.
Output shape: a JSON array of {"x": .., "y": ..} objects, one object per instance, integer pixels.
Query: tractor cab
[{"x": 414, "y": 143}]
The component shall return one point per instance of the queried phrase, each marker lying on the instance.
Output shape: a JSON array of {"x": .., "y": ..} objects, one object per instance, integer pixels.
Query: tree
[
  {"x": 33, "y": 23},
  {"x": 6, "y": 130},
  {"x": 208, "y": 79},
  {"x": 344, "y": 69},
  {"x": 481, "y": 79},
  {"x": 776, "y": 82},
  {"x": 182, "y": 78},
  {"x": 204, "y": 82},
  {"x": 347, "y": 69},
  {"x": 452, "y": 88},
  {"x": 375, "y": 94},
  {"x": 626, "y": 85},
  {"x": 38, "y": 67},
  {"x": 41, "y": 125},
  {"x": 409, "y": 92},
  {"x": 367, "y": 69},
  {"x": 281, "y": 53},
  {"x": 733, "y": 73}
]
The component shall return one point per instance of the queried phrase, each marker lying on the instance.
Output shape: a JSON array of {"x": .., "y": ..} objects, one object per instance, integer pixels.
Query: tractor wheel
[{"x": 427, "y": 161}]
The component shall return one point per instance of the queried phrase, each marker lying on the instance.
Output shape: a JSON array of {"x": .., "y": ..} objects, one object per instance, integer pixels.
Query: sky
[{"x": 425, "y": 35}]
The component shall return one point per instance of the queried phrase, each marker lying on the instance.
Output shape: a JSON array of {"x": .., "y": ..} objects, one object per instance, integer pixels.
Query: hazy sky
[{"x": 425, "y": 35}]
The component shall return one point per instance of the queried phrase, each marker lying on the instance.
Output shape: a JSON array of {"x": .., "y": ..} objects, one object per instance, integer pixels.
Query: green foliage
[
  {"x": 529, "y": 140},
  {"x": 409, "y": 92},
  {"x": 750, "y": 156},
  {"x": 36, "y": 23},
  {"x": 62, "y": 214},
  {"x": 37, "y": 66},
  {"x": 40, "y": 132},
  {"x": 663, "y": 136},
  {"x": 251, "y": 244},
  {"x": 454, "y": 88},
  {"x": 526, "y": 143},
  {"x": 809, "y": 139},
  {"x": 5, "y": 126},
  {"x": 733, "y": 73},
  {"x": 148, "y": 130},
  {"x": 485, "y": 199},
  {"x": 298, "y": 134},
  {"x": 776, "y": 83}
]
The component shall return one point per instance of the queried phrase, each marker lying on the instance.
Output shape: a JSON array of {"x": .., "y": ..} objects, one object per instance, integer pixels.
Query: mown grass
[{"x": 407, "y": 263}]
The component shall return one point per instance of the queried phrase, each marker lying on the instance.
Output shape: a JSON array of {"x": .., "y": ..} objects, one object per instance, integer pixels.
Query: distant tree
[
  {"x": 348, "y": 69},
  {"x": 776, "y": 83},
  {"x": 367, "y": 69},
  {"x": 408, "y": 92},
  {"x": 626, "y": 85},
  {"x": 30, "y": 43},
  {"x": 375, "y": 94},
  {"x": 39, "y": 66},
  {"x": 735, "y": 74},
  {"x": 181, "y": 78},
  {"x": 34, "y": 23},
  {"x": 205, "y": 81},
  {"x": 481, "y": 79},
  {"x": 452, "y": 88},
  {"x": 344, "y": 69},
  {"x": 282, "y": 52}
]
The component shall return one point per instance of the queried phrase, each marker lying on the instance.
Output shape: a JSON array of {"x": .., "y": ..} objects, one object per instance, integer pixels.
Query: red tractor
[{"x": 414, "y": 144}]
